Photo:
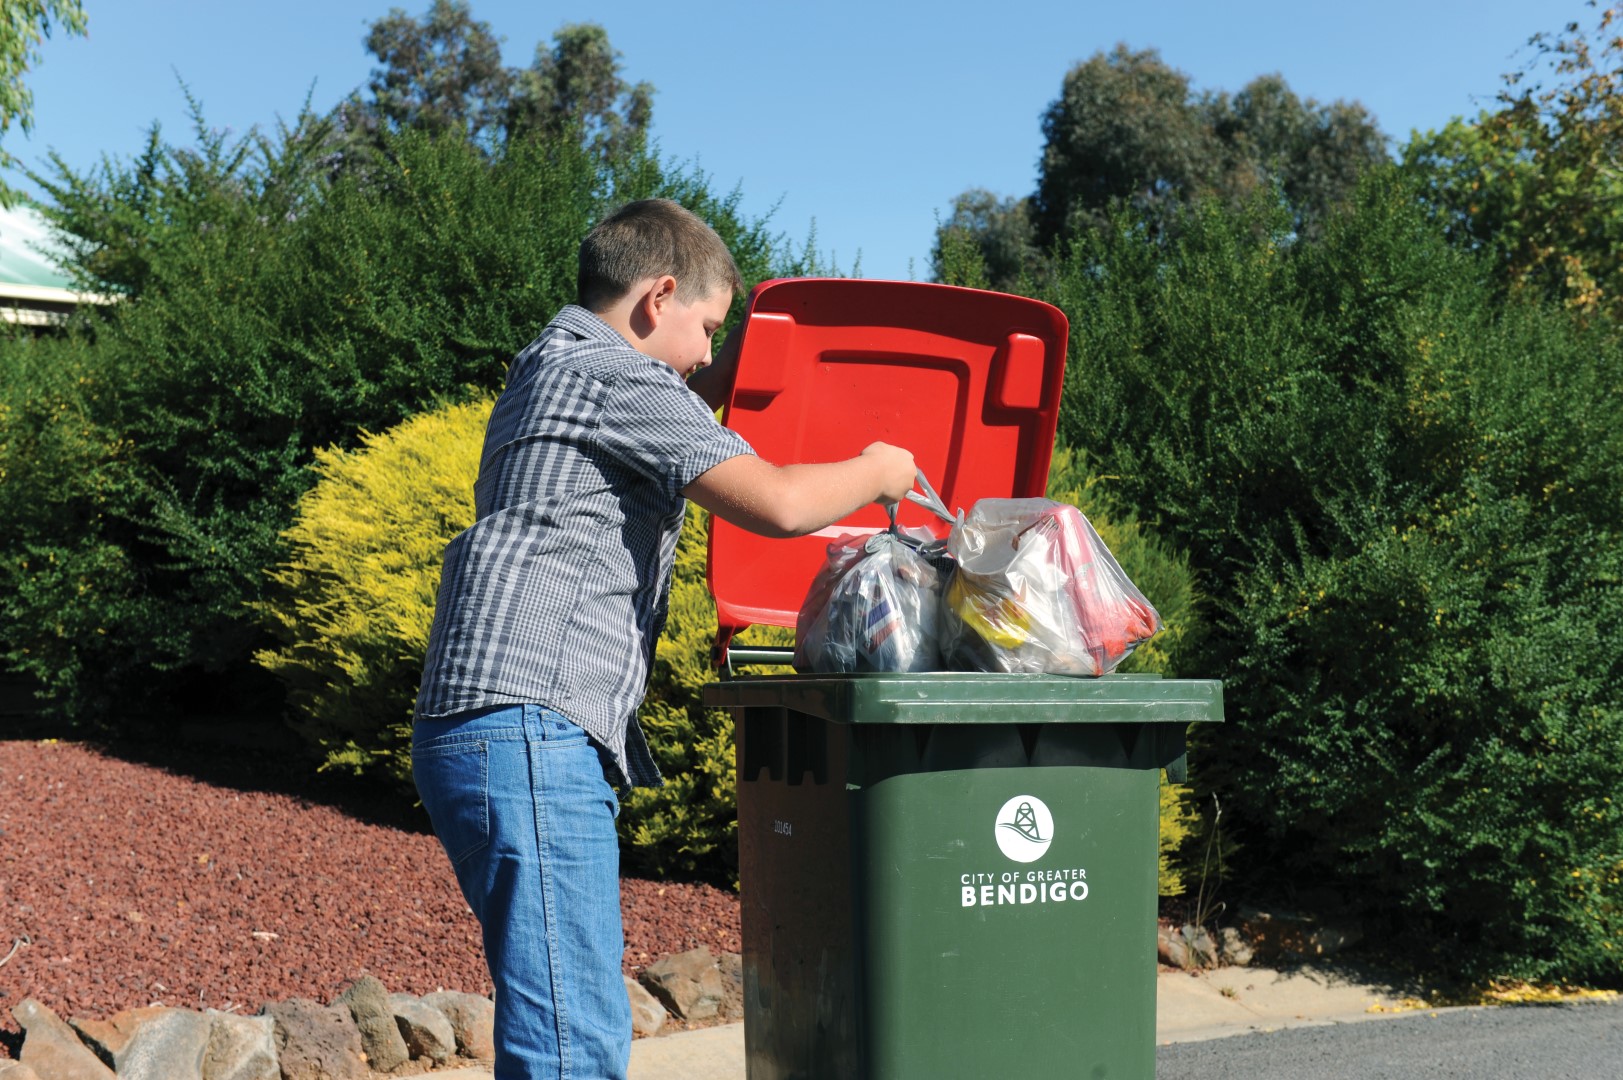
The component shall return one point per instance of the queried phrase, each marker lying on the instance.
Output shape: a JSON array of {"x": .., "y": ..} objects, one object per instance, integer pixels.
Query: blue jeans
[{"x": 519, "y": 801}]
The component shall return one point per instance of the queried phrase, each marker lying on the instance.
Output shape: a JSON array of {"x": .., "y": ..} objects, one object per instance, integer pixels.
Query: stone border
[{"x": 363, "y": 1032}]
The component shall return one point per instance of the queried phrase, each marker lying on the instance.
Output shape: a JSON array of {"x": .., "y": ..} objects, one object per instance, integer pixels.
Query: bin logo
[{"x": 1025, "y": 828}]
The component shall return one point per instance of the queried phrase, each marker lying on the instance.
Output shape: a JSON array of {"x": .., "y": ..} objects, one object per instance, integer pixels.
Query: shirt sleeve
[{"x": 655, "y": 425}]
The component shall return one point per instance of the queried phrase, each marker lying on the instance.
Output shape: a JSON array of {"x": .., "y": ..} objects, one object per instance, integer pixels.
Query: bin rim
[{"x": 969, "y": 697}]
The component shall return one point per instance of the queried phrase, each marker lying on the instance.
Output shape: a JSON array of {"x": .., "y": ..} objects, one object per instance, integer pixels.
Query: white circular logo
[{"x": 1024, "y": 828}]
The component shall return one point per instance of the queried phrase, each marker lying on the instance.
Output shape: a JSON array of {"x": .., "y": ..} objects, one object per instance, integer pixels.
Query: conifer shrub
[
  {"x": 1402, "y": 498},
  {"x": 270, "y": 307}
]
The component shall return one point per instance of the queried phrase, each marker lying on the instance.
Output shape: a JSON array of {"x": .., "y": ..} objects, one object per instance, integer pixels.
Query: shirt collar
[{"x": 587, "y": 324}]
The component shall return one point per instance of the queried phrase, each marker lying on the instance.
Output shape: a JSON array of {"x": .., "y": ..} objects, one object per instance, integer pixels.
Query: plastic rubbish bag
[
  {"x": 874, "y": 606},
  {"x": 1036, "y": 590}
]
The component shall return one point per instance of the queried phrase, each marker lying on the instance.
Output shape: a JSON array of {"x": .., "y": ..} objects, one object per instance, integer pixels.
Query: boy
[{"x": 550, "y": 605}]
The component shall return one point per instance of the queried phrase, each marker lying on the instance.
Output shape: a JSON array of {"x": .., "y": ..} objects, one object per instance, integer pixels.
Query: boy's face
[{"x": 682, "y": 336}]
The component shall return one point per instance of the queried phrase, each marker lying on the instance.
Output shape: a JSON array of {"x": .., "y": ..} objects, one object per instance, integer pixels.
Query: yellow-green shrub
[{"x": 355, "y": 597}]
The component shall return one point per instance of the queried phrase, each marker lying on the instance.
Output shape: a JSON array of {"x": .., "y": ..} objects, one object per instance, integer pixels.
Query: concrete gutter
[{"x": 1189, "y": 1008}]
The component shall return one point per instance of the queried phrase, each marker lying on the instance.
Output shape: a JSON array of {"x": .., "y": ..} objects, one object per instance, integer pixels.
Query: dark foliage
[{"x": 1404, "y": 503}]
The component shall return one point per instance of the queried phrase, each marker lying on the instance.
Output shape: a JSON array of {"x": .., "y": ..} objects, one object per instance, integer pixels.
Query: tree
[
  {"x": 1314, "y": 153},
  {"x": 1128, "y": 130},
  {"x": 576, "y": 84},
  {"x": 440, "y": 74},
  {"x": 1537, "y": 183},
  {"x": 23, "y": 25},
  {"x": 444, "y": 73},
  {"x": 1123, "y": 129},
  {"x": 997, "y": 231}
]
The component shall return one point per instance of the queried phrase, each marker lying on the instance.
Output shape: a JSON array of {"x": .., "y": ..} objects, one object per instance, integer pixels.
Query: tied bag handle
[
  {"x": 934, "y": 551},
  {"x": 929, "y": 500}
]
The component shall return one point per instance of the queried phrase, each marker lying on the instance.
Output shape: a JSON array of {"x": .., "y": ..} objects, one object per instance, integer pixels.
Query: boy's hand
[
  {"x": 727, "y": 358},
  {"x": 714, "y": 382},
  {"x": 895, "y": 468}
]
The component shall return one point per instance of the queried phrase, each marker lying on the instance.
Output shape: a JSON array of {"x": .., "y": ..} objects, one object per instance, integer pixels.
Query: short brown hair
[{"x": 650, "y": 238}]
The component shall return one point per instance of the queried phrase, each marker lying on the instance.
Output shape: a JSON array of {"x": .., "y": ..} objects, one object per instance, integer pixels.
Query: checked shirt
[{"x": 557, "y": 593}]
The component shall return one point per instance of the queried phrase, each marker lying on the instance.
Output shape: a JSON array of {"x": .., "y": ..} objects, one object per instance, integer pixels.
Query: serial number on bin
[{"x": 783, "y": 828}]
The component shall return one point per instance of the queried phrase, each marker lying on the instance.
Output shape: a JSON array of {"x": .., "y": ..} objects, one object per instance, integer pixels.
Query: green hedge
[
  {"x": 269, "y": 311},
  {"x": 62, "y": 584},
  {"x": 1403, "y": 503}
]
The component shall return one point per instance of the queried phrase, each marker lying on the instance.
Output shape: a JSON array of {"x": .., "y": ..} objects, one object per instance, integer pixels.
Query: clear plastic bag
[
  {"x": 874, "y": 606},
  {"x": 1036, "y": 590}
]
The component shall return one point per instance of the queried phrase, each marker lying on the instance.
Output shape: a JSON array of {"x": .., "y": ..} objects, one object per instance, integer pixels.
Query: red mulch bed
[{"x": 220, "y": 879}]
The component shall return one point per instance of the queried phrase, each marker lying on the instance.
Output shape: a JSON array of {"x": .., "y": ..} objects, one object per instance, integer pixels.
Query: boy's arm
[{"x": 793, "y": 500}]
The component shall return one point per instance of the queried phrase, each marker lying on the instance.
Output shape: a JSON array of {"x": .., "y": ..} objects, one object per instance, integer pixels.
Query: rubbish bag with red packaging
[{"x": 1036, "y": 590}]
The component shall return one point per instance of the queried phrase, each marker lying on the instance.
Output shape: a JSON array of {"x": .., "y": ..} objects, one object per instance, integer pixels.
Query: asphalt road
[{"x": 1553, "y": 1042}]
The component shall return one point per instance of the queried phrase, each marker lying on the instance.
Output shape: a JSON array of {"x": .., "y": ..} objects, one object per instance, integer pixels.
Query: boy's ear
[{"x": 660, "y": 297}]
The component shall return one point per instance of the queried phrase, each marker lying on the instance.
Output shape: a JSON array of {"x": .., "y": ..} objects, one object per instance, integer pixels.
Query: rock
[
  {"x": 473, "y": 1019},
  {"x": 16, "y": 1070},
  {"x": 316, "y": 1041},
  {"x": 368, "y": 1002},
  {"x": 425, "y": 1030},
  {"x": 1187, "y": 947},
  {"x": 647, "y": 1014},
  {"x": 688, "y": 984},
  {"x": 731, "y": 966},
  {"x": 1170, "y": 948},
  {"x": 1233, "y": 948},
  {"x": 1290, "y": 935},
  {"x": 50, "y": 1048},
  {"x": 109, "y": 1037},
  {"x": 1202, "y": 945},
  {"x": 240, "y": 1048},
  {"x": 168, "y": 1046},
  {"x": 101, "y": 1036}
]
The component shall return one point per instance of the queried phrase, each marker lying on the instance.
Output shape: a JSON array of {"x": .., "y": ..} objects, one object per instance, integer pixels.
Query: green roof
[{"x": 23, "y": 232}]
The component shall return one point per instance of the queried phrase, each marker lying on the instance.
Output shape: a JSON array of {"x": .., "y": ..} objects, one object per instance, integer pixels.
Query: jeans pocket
[
  {"x": 605, "y": 766},
  {"x": 453, "y": 780}
]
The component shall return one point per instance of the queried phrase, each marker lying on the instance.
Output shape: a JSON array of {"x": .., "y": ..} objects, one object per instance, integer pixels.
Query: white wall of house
[{"x": 33, "y": 292}]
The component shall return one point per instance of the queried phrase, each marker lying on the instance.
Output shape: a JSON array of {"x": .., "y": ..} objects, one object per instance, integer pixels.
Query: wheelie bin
[{"x": 947, "y": 874}]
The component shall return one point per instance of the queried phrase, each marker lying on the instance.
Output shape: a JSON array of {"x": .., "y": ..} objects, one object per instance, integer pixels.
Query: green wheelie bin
[
  {"x": 952, "y": 875},
  {"x": 945, "y": 874}
]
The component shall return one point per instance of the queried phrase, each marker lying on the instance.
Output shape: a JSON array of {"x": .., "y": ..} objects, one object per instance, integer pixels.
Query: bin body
[{"x": 952, "y": 875}]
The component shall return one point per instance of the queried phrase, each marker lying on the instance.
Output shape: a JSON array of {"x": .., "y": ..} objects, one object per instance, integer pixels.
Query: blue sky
[{"x": 867, "y": 117}]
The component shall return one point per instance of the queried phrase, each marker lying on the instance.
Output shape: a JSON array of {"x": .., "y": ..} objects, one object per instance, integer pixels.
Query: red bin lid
[{"x": 966, "y": 379}]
